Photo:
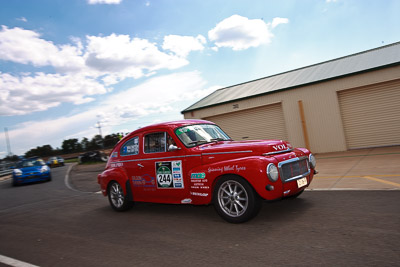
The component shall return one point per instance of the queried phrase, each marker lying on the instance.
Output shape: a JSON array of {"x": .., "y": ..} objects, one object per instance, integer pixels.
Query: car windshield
[
  {"x": 198, "y": 134},
  {"x": 31, "y": 163}
]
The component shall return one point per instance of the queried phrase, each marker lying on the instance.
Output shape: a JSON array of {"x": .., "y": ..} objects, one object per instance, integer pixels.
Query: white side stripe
[{"x": 14, "y": 262}]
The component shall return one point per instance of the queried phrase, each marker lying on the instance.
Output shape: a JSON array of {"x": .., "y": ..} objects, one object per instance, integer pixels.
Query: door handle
[{"x": 140, "y": 165}]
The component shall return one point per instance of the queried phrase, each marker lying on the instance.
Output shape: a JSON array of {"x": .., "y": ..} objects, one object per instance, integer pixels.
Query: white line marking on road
[
  {"x": 14, "y": 262},
  {"x": 69, "y": 185},
  {"x": 66, "y": 180}
]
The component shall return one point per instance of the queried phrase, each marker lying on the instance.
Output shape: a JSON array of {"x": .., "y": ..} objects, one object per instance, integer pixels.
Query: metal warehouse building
[{"x": 346, "y": 103}]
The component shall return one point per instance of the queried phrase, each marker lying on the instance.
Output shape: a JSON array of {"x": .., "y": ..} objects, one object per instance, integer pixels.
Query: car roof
[{"x": 170, "y": 124}]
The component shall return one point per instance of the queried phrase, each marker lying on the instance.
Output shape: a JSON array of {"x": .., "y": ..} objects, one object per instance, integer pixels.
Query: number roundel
[
  {"x": 164, "y": 176},
  {"x": 164, "y": 180}
]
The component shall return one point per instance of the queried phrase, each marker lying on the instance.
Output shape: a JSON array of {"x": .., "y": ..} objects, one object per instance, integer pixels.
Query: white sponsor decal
[
  {"x": 186, "y": 201},
  {"x": 229, "y": 168},
  {"x": 199, "y": 194},
  {"x": 169, "y": 174},
  {"x": 116, "y": 165}
]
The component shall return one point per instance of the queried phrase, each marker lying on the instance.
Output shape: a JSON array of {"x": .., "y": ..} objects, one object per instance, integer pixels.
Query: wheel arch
[
  {"x": 215, "y": 181},
  {"x": 126, "y": 187},
  {"x": 115, "y": 175},
  {"x": 252, "y": 200}
]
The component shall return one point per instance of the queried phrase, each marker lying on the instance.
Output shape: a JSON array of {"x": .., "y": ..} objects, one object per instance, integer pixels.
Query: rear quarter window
[{"x": 131, "y": 147}]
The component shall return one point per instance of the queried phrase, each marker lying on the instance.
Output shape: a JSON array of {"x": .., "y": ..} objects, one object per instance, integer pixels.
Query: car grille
[{"x": 294, "y": 169}]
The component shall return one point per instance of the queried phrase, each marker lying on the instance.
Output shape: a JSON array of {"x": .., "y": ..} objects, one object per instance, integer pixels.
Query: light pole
[
  {"x": 8, "y": 142},
  {"x": 99, "y": 127}
]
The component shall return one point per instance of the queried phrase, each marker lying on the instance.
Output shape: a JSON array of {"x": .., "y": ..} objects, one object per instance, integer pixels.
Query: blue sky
[{"x": 64, "y": 65}]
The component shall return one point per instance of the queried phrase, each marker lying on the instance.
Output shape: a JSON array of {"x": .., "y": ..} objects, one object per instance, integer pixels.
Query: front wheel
[
  {"x": 235, "y": 200},
  {"x": 116, "y": 197}
]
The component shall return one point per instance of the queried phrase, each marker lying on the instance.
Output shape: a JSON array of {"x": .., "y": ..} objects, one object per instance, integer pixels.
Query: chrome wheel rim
[
  {"x": 117, "y": 195},
  {"x": 233, "y": 198}
]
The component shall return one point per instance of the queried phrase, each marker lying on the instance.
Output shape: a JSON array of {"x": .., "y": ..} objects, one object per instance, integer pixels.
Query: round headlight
[
  {"x": 272, "y": 172},
  {"x": 17, "y": 172},
  {"x": 44, "y": 169},
  {"x": 312, "y": 160}
]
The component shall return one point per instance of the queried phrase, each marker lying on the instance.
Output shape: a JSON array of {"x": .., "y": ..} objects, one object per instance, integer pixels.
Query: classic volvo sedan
[{"x": 195, "y": 162}]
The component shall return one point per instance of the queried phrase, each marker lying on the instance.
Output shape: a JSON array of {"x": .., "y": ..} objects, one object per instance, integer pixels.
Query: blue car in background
[{"x": 31, "y": 170}]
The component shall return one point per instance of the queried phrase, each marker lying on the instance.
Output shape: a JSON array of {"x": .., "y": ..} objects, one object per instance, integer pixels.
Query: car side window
[
  {"x": 131, "y": 147},
  {"x": 155, "y": 142}
]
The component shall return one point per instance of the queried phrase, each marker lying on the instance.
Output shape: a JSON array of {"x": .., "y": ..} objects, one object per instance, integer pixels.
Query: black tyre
[
  {"x": 116, "y": 197},
  {"x": 235, "y": 200}
]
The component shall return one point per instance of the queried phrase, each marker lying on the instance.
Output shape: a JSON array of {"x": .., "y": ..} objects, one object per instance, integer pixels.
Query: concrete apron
[{"x": 363, "y": 169}]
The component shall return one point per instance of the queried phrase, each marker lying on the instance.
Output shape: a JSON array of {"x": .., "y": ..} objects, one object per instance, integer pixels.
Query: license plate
[{"x": 301, "y": 182}]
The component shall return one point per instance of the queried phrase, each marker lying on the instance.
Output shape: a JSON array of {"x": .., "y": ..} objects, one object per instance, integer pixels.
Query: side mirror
[{"x": 173, "y": 148}]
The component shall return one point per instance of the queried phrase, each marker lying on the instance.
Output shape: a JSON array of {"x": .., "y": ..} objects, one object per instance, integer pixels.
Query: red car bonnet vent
[{"x": 277, "y": 152}]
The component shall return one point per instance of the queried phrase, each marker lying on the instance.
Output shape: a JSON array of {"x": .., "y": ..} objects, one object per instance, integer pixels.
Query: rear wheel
[
  {"x": 118, "y": 200},
  {"x": 235, "y": 200}
]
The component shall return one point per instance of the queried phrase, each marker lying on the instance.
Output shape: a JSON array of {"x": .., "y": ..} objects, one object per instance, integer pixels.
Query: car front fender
[{"x": 252, "y": 169}]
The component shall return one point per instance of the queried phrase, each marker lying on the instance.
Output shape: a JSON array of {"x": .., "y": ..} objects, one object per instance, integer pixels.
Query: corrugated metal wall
[
  {"x": 266, "y": 122},
  {"x": 371, "y": 115}
]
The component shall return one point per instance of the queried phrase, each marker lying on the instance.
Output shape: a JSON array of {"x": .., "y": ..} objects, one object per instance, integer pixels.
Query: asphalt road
[{"x": 47, "y": 224}]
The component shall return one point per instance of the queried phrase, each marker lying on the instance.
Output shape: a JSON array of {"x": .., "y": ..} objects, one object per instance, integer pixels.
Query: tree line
[{"x": 73, "y": 145}]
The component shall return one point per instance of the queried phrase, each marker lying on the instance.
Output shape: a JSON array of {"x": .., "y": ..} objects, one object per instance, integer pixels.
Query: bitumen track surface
[{"x": 344, "y": 218}]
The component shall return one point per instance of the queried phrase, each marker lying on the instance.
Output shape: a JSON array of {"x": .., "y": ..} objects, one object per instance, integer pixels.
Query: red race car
[{"x": 195, "y": 162}]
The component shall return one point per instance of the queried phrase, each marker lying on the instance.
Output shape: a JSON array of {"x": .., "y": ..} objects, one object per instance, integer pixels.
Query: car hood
[
  {"x": 258, "y": 147},
  {"x": 31, "y": 169}
]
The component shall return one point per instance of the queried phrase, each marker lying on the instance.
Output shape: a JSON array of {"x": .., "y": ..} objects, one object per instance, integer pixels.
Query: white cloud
[
  {"x": 26, "y": 47},
  {"x": 23, "y": 19},
  {"x": 117, "y": 56},
  {"x": 276, "y": 21},
  {"x": 241, "y": 33},
  {"x": 109, "y": 2},
  {"x": 83, "y": 69},
  {"x": 183, "y": 45},
  {"x": 27, "y": 94},
  {"x": 122, "y": 57},
  {"x": 52, "y": 131},
  {"x": 155, "y": 96}
]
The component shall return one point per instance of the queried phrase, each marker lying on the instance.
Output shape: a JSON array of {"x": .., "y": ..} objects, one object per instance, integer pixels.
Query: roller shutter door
[
  {"x": 371, "y": 115},
  {"x": 265, "y": 122}
]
